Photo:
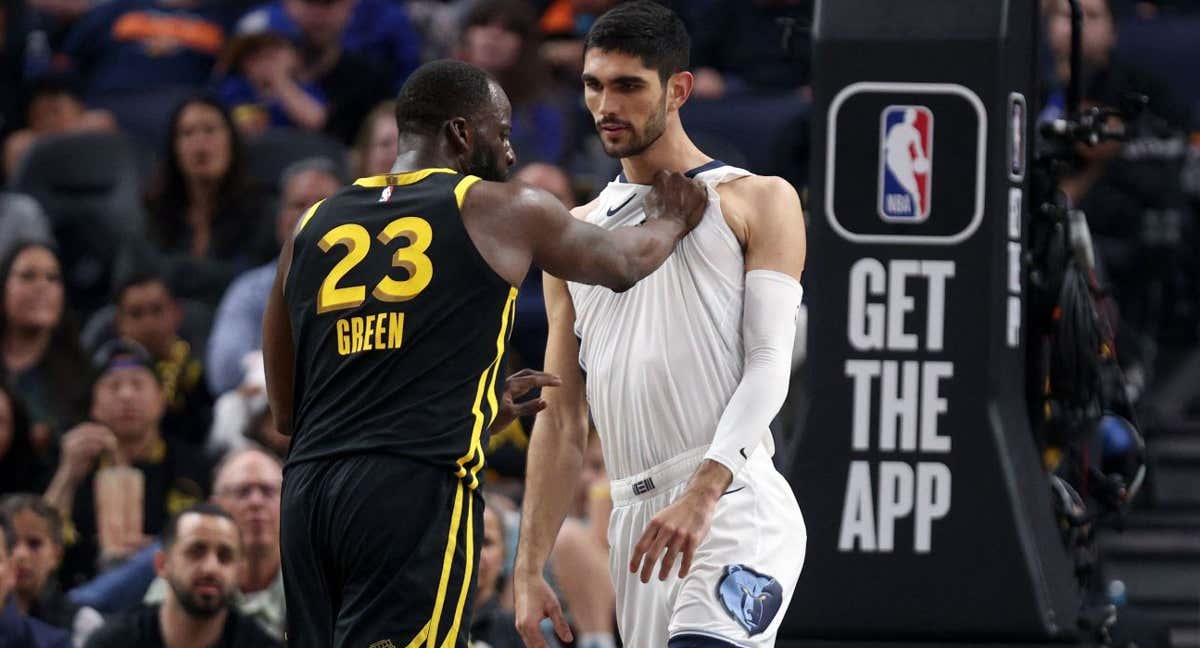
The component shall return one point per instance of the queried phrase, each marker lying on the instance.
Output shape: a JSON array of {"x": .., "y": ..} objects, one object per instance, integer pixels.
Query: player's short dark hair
[
  {"x": 16, "y": 503},
  {"x": 439, "y": 91},
  {"x": 171, "y": 532},
  {"x": 644, "y": 29}
]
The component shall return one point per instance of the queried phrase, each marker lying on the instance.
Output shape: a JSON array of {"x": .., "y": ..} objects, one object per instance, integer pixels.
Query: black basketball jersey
[{"x": 399, "y": 324}]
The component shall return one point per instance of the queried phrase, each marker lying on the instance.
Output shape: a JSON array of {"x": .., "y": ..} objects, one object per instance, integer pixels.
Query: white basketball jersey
[{"x": 663, "y": 358}]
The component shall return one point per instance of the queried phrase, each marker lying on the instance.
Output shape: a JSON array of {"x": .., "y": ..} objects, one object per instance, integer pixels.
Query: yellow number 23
[{"x": 357, "y": 242}]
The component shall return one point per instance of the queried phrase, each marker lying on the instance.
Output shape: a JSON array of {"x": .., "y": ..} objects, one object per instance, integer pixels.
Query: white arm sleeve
[{"x": 772, "y": 302}]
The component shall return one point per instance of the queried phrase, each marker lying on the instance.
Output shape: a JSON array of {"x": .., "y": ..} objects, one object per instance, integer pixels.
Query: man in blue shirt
[
  {"x": 16, "y": 630},
  {"x": 378, "y": 31}
]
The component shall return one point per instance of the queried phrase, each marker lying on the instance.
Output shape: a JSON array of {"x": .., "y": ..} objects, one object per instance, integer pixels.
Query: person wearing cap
[{"x": 124, "y": 431}]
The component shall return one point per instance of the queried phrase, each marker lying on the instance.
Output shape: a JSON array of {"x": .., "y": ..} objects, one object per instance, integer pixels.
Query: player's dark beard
[
  {"x": 655, "y": 126},
  {"x": 196, "y": 606},
  {"x": 486, "y": 164}
]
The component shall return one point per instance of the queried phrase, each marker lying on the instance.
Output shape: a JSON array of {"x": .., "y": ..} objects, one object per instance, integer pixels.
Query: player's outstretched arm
[
  {"x": 617, "y": 259},
  {"x": 278, "y": 356},
  {"x": 555, "y": 459},
  {"x": 773, "y": 233}
]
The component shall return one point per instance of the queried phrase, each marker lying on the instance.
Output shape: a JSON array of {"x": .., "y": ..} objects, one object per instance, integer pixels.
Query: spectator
[
  {"x": 54, "y": 108},
  {"x": 203, "y": 212},
  {"x": 438, "y": 23},
  {"x": 377, "y": 144},
  {"x": 492, "y": 625},
  {"x": 324, "y": 31},
  {"x": 134, "y": 45},
  {"x": 21, "y": 469},
  {"x": 565, "y": 23},
  {"x": 237, "y": 328},
  {"x": 263, "y": 87},
  {"x": 1142, "y": 226},
  {"x": 502, "y": 37},
  {"x": 42, "y": 357},
  {"x": 94, "y": 481},
  {"x": 148, "y": 314},
  {"x": 745, "y": 47},
  {"x": 380, "y": 32},
  {"x": 16, "y": 629},
  {"x": 36, "y": 557},
  {"x": 199, "y": 561},
  {"x": 22, "y": 220},
  {"x": 247, "y": 483}
]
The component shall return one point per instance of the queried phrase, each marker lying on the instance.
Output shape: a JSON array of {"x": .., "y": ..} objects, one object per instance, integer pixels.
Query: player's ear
[
  {"x": 679, "y": 88},
  {"x": 459, "y": 134}
]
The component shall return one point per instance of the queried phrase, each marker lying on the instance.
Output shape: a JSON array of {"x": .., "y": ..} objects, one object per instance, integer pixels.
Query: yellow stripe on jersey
[
  {"x": 420, "y": 638},
  {"x": 308, "y": 215},
  {"x": 396, "y": 179},
  {"x": 501, "y": 340},
  {"x": 487, "y": 381},
  {"x": 452, "y": 633},
  {"x": 481, "y": 420},
  {"x": 460, "y": 190},
  {"x": 447, "y": 563}
]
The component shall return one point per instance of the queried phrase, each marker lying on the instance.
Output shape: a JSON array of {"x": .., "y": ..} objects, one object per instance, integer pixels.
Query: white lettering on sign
[
  {"x": 897, "y": 404},
  {"x": 869, "y": 523},
  {"x": 867, "y": 319}
]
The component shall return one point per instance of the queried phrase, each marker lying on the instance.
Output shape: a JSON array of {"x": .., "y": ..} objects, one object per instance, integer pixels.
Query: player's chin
[{"x": 616, "y": 149}]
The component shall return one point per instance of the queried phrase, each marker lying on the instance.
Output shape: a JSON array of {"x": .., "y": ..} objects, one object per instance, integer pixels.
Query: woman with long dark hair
[
  {"x": 40, "y": 340},
  {"x": 204, "y": 212}
]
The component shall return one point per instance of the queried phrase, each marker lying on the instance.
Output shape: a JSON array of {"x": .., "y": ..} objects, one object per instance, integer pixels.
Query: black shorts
[{"x": 378, "y": 551}]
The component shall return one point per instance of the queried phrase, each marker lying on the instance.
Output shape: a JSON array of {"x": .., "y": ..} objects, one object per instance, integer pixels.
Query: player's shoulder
[
  {"x": 581, "y": 212},
  {"x": 754, "y": 197},
  {"x": 757, "y": 189}
]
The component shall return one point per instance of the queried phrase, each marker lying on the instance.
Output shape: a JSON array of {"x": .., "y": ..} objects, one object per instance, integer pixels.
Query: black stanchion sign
[{"x": 927, "y": 512}]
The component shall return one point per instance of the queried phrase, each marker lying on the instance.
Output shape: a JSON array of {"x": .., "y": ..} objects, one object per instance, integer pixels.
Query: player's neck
[
  {"x": 418, "y": 153},
  {"x": 673, "y": 151}
]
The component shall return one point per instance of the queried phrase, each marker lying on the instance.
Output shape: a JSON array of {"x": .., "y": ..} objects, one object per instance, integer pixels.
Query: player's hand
[
  {"x": 534, "y": 601},
  {"x": 516, "y": 386},
  {"x": 679, "y": 528},
  {"x": 677, "y": 197}
]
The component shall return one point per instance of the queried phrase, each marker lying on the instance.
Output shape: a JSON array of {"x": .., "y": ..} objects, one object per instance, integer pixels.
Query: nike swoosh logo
[
  {"x": 621, "y": 206},
  {"x": 731, "y": 492},
  {"x": 743, "y": 451}
]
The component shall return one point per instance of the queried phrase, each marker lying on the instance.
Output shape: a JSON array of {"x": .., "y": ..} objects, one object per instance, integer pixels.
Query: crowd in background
[{"x": 156, "y": 153}]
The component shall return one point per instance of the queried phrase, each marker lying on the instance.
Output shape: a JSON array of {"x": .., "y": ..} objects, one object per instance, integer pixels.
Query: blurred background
[{"x": 157, "y": 152}]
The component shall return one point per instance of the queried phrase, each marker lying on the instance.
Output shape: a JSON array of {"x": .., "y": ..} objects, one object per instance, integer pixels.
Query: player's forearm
[
  {"x": 772, "y": 301},
  {"x": 552, "y": 471}
]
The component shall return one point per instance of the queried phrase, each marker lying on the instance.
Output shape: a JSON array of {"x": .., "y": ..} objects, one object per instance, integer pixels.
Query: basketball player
[
  {"x": 684, "y": 372},
  {"x": 384, "y": 335}
]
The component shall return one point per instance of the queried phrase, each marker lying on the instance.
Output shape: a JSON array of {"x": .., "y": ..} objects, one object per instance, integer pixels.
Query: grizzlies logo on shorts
[{"x": 751, "y": 598}]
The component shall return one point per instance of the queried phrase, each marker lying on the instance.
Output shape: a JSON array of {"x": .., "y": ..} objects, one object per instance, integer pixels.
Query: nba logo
[{"x": 905, "y": 163}]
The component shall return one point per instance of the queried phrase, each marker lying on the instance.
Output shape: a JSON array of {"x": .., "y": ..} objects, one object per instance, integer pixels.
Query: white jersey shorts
[{"x": 743, "y": 575}]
